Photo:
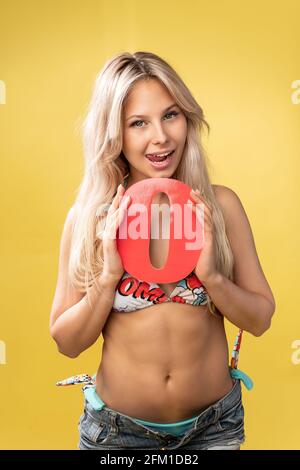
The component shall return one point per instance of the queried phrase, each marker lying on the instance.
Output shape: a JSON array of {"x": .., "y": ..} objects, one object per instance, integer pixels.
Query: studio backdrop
[{"x": 241, "y": 62}]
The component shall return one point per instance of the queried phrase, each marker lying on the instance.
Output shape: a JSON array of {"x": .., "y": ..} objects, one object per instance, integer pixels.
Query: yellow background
[{"x": 239, "y": 60}]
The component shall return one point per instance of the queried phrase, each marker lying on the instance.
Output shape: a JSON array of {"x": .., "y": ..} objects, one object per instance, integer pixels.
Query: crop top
[{"x": 133, "y": 294}]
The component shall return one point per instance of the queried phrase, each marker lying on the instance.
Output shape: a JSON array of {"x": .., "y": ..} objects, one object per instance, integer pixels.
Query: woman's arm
[
  {"x": 76, "y": 329},
  {"x": 74, "y": 324},
  {"x": 247, "y": 310},
  {"x": 247, "y": 302}
]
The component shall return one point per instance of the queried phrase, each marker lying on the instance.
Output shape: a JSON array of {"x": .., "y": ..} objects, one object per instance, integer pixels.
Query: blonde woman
[{"x": 164, "y": 381}]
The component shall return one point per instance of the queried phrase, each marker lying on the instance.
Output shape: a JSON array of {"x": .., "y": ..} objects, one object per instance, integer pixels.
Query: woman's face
[{"x": 160, "y": 127}]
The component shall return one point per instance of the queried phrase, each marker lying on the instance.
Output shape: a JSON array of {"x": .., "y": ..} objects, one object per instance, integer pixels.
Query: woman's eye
[
  {"x": 134, "y": 124},
  {"x": 174, "y": 113}
]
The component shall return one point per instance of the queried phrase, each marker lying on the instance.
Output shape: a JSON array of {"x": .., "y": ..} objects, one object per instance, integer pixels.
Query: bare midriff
[{"x": 164, "y": 363}]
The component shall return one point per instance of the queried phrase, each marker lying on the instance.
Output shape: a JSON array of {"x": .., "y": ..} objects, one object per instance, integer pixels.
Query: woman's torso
[{"x": 166, "y": 362}]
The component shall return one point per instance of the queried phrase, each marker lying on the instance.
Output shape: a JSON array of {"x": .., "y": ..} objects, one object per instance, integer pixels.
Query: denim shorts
[{"x": 218, "y": 427}]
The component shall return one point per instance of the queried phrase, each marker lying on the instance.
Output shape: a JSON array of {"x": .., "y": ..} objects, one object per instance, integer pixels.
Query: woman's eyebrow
[{"x": 144, "y": 115}]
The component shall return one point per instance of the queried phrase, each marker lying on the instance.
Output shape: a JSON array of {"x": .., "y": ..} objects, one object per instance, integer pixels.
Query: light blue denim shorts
[{"x": 218, "y": 427}]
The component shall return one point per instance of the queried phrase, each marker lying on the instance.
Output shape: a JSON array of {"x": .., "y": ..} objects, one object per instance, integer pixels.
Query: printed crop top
[{"x": 133, "y": 294}]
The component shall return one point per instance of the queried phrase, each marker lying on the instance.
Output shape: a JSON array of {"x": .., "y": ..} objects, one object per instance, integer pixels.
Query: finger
[
  {"x": 197, "y": 196},
  {"x": 123, "y": 204},
  {"x": 202, "y": 206},
  {"x": 117, "y": 217},
  {"x": 121, "y": 211},
  {"x": 196, "y": 192},
  {"x": 201, "y": 224},
  {"x": 202, "y": 216},
  {"x": 116, "y": 200}
]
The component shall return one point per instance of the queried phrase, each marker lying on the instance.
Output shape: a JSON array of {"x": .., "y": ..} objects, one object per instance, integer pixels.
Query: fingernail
[{"x": 125, "y": 199}]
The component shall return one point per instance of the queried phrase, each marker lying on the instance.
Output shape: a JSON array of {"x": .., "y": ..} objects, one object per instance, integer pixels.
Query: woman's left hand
[{"x": 205, "y": 269}]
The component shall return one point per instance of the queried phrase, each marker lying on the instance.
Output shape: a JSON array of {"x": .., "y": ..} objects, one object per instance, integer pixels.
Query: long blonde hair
[{"x": 106, "y": 166}]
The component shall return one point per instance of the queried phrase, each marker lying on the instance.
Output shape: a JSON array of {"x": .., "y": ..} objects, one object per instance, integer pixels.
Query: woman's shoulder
[
  {"x": 228, "y": 201},
  {"x": 222, "y": 192}
]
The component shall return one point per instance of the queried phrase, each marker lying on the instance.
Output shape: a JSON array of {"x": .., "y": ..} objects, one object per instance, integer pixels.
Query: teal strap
[
  {"x": 92, "y": 397},
  {"x": 238, "y": 374}
]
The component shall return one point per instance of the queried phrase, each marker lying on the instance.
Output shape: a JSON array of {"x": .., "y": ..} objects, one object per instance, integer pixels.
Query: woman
[{"x": 164, "y": 380}]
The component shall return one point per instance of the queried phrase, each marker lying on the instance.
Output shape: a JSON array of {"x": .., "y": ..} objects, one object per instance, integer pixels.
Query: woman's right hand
[{"x": 113, "y": 267}]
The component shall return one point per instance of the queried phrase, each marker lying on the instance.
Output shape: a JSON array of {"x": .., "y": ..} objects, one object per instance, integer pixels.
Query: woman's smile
[{"x": 159, "y": 162}]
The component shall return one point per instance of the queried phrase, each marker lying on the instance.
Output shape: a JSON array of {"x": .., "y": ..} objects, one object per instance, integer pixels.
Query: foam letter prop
[{"x": 186, "y": 232}]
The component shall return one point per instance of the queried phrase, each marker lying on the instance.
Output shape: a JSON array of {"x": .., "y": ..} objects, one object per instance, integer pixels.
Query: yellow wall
[{"x": 240, "y": 61}]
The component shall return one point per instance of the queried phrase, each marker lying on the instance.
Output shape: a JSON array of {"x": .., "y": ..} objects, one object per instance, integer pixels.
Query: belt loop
[
  {"x": 112, "y": 418},
  {"x": 218, "y": 412}
]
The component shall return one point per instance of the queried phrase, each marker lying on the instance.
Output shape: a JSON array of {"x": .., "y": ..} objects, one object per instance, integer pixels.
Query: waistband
[
  {"x": 177, "y": 428},
  {"x": 94, "y": 404}
]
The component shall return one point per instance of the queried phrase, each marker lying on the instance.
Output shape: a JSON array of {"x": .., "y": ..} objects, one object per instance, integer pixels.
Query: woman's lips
[{"x": 162, "y": 164}]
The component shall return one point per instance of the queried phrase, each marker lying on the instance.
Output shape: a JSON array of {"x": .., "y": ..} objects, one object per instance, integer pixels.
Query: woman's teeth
[
  {"x": 158, "y": 158},
  {"x": 159, "y": 162}
]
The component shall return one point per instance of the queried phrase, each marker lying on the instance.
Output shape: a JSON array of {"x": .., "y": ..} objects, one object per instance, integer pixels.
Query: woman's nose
[{"x": 158, "y": 134}]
